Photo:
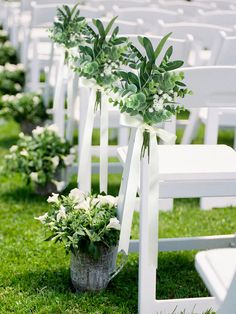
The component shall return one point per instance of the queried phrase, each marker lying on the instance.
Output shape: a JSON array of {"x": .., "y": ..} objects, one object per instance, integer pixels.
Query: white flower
[
  {"x": 85, "y": 205},
  {"x": 42, "y": 218},
  {"x": 59, "y": 185},
  {"x": 21, "y": 135},
  {"x": 55, "y": 161},
  {"x": 24, "y": 153},
  {"x": 95, "y": 201},
  {"x": 38, "y": 130},
  {"x": 114, "y": 224},
  {"x": 53, "y": 128},
  {"x": 36, "y": 100},
  {"x": 61, "y": 213},
  {"x": 68, "y": 160},
  {"x": 150, "y": 110},
  {"x": 5, "y": 98},
  {"x": 13, "y": 148},
  {"x": 53, "y": 198},
  {"x": 158, "y": 106},
  {"x": 34, "y": 176},
  {"x": 73, "y": 150},
  {"x": 107, "y": 199},
  {"x": 17, "y": 86},
  {"x": 77, "y": 195}
]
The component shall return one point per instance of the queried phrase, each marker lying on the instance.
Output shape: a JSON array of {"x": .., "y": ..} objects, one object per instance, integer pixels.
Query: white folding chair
[
  {"x": 220, "y": 4},
  {"x": 217, "y": 269},
  {"x": 148, "y": 16},
  {"x": 225, "y": 18},
  {"x": 205, "y": 37},
  {"x": 176, "y": 171},
  {"x": 223, "y": 54}
]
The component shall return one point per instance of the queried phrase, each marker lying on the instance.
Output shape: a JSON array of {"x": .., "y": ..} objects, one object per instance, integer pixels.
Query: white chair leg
[
  {"x": 34, "y": 69},
  {"x": 191, "y": 128},
  {"x": 148, "y": 234}
]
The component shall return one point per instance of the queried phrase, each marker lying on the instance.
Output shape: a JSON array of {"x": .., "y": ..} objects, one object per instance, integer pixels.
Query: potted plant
[
  {"x": 41, "y": 158},
  {"x": 88, "y": 227},
  {"x": 12, "y": 79},
  {"x": 27, "y": 109}
]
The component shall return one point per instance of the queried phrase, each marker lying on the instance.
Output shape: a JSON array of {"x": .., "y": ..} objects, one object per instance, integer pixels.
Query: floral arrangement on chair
[
  {"x": 26, "y": 108},
  {"x": 40, "y": 158},
  {"x": 149, "y": 92}
]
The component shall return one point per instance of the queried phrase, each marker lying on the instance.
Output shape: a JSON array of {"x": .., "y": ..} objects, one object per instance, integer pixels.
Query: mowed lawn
[{"x": 34, "y": 274}]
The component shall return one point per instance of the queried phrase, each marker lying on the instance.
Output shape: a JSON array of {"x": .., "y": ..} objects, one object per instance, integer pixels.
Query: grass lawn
[{"x": 34, "y": 275}]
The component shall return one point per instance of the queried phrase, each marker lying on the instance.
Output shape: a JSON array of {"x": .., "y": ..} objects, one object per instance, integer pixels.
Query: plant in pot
[
  {"x": 41, "y": 159},
  {"x": 8, "y": 53},
  {"x": 27, "y": 109},
  {"x": 149, "y": 91},
  {"x": 12, "y": 79},
  {"x": 88, "y": 227}
]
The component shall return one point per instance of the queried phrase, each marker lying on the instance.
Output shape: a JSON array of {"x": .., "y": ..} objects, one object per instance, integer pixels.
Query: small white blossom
[
  {"x": 59, "y": 185},
  {"x": 107, "y": 199},
  {"x": 114, "y": 224},
  {"x": 42, "y": 218},
  {"x": 38, "y": 130},
  {"x": 24, "y": 153},
  {"x": 53, "y": 128},
  {"x": 61, "y": 213},
  {"x": 17, "y": 86},
  {"x": 13, "y": 148},
  {"x": 53, "y": 198},
  {"x": 85, "y": 205},
  {"x": 36, "y": 100},
  {"x": 73, "y": 150},
  {"x": 21, "y": 135},
  {"x": 77, "y": 195},
  {"x": 150, "y": 110},
  {"x": 55, "y": 161},
  {"x": 34, "y": 176},
  {"x": 5, "y": 98},
  {"x": 68, "y": 160}
]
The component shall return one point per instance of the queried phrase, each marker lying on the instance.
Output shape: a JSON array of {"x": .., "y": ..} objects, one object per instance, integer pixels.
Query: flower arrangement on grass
[
  {"x": 26, "y": 108},
  {"x": 40, "y": 158},
  {"x": 12, "y": 79},
  {"x": 149, "y": 92},
  {"x": 88, "y": 227},
  {"x": 8, "y": 53},
  {"x": 83, "y": 222}
]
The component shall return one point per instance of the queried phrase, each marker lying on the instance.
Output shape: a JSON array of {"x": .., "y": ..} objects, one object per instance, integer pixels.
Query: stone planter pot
[
  {"x": 88, "y": 274},
  {"x": 45, "y": 190}
]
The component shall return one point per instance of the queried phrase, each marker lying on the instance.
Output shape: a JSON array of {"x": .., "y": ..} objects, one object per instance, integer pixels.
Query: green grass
[{"x": 34, "y": 275}]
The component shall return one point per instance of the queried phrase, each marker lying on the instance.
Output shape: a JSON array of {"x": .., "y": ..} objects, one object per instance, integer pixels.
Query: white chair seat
[
  {"x": 217, "y": 268},
  {"x": 193, "y": 162}
]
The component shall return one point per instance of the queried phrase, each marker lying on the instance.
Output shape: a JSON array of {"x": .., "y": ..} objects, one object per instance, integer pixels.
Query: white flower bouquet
[
  {"x": 88, "y": 227},
  {"x": 41, "y": 157}
]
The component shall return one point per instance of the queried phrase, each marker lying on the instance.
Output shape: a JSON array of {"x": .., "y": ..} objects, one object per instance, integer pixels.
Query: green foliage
[
  {"x": 83, "y": 222},
  {"x": 12, "y": 79},
  {"x": 3, "y": 36},
  {"x": 69, "y": 27},
  {"x": 40, "y": 157},
  {"x": 102, "y": 54},
  {"x": 8, "y": 53},
  {"x": 24, "y": 107}
]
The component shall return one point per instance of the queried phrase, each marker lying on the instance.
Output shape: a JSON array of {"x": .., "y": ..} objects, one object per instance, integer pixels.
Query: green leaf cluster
[
  {"x": 12, "y": 79},
  {"x": 8, "y": 53}
]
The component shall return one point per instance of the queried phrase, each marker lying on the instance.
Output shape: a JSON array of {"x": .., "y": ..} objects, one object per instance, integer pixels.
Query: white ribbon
[
  {"x": 137, "y": 122},
  {"x": 131, "y": 174}
]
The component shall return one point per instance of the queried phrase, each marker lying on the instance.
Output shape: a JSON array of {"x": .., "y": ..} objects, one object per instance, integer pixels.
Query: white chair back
[
  {"x": 224, "y": 52},
  {"x": 125, "y": 27},
  {"x": 225, "y": 18},
  {"x": 181, "y": 47}
]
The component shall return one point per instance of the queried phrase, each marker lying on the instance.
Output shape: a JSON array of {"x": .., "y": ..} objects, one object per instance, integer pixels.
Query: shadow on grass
[{"x": 22, "y": 194}]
